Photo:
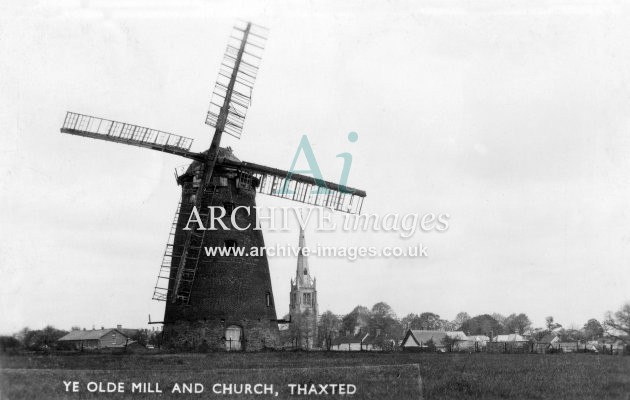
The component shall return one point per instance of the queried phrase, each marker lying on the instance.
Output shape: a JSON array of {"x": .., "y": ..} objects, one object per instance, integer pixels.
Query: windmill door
[{"x": 233, "y": 338}]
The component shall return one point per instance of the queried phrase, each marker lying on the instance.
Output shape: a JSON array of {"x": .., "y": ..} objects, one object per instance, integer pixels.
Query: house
[
  {"x": 472, "y": 343},
  {"x": 350, "y": 342},
  {"x": 95, "y": 339},
  {"x": 130, "y": 333},
  {"x": 418, "y": 339},
  {"x": 592, "y": 346},
  {"x": 478, "y": 339},
  {"x": 569, "y": 347},
  {"x": 512, "y": 337},
  {"x": 512, "y": 343},
  {"x": 612, "y": 346},
  {"x": 379, "y": 342},
  {"x": 546, "y": 343}
]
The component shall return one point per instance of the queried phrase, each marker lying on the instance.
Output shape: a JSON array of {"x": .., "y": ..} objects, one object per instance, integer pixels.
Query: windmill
[{"x": 221, "y": 302}]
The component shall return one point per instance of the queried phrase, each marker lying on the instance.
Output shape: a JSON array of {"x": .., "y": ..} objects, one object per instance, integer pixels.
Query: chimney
[{"x": 119, "y": 327}]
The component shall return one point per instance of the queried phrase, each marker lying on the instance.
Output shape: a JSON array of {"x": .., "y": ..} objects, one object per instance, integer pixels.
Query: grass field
[{"x": 376, "y": 375}]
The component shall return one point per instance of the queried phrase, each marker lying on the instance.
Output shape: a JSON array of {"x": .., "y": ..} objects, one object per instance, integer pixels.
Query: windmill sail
[
  {"x": 236, "y": 78},
  {"x": 302, "y": 188},
  {"x": 120, "y": 132},
  {"x": 229, "y": 104}
]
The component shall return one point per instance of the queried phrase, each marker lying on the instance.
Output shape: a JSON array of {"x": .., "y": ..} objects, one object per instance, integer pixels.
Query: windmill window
[
  {"x": 268, "y": 299},
  {"x": 305, "y": 271},
  {"x": 219, "y": 180}
]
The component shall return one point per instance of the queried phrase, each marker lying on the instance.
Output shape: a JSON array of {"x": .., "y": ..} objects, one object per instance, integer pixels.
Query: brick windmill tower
[
  {"x": 220, "y": 302},
  {"x": 303, "y": 302}
]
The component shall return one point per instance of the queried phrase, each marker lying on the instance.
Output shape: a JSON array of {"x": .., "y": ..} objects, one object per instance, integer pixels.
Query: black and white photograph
[{"x": 362, "y": 199}]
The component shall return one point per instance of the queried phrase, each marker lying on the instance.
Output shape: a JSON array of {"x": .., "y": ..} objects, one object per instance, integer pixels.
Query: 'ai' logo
[{"x": 305, "y": 148}]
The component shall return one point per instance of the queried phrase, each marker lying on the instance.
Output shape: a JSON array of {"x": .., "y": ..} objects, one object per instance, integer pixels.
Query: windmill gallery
[{"x": 220, "y": 302}]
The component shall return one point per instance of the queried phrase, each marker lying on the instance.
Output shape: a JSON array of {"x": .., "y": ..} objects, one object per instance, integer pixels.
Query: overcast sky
[{"x": 513, "y": 119}]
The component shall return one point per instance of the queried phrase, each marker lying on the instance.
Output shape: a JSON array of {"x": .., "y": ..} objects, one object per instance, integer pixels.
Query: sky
[{"x": 512, "y": 117}]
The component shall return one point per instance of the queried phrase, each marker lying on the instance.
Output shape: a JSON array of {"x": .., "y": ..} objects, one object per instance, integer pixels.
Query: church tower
[{"x": 303, "y": 302}]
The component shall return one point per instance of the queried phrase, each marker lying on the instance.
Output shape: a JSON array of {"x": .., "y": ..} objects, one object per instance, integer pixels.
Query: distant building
[
  {"x": 478, "y": 338},
  {"x": 547, "y": 343},
  {"x": 472, "y": 343},
  {"x": 419, "y": 339},
  {"x": 379, "y": 341},
  {"x": 512, "y": 337},
  {"x": 96, "y": 338},
  {"x": 512, "y": 343},
  {"x": 303, "y": 302},
  {"x": 612, "y": 345},
  {"x": 350, "y": 342}
]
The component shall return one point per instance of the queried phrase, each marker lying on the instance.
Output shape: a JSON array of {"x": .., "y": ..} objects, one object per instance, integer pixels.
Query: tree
[
  {"x": 430, "y": 321},
  {"x": 618, "y": 324},
  {"x": 383, "y": 318},
  {"x": 551, "y": 325},
  {"x": 141, "y": 336},
  {"x": 500, "y": 318},
  {"x": 570, "y": 335},
  {"x": 449, "y": 342},
  {"x": 427, "y": 321},
  {"x": 539, "y": 333},
  {"x": 593, "y": 329},
  {"x": 482, "y": 325},
  {"x": 411, "y": 321},
  {"x": 517, "y": 323},
  {"x": 383, "y": 310},
  {"x": 383, "y": 324},
  {"x": 358, "y": 317},
  {"x": 328, "y": 326},
  {"x": 40, "y": 339},
  {"x": 447, "y": 325},
  {"x": 460, "y": 318},
  {"x": 155, "y": 339},
  {"x": 549, "y": 322},
  {"x": 9, "y": 344}
]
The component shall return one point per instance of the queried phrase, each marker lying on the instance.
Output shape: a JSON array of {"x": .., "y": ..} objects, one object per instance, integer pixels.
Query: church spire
[
  {"x": 303, "y": 272},
  {"x": 303, "y": 302}
]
